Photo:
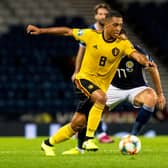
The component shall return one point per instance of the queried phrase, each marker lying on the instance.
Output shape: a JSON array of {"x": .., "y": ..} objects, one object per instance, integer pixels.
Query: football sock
[
  {"x": 94, "y": 119},
  {"x": 81, "y": 137},
  {"x": 47, "y": 142},
  {"x": 143, "y": 117},
  {"x": 62, "y": 134}
]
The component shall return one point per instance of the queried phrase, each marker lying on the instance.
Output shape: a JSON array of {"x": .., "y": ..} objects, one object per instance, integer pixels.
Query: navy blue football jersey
[
  {"x": 130, "y": 73},
  {"x": 93, "y": 26}
]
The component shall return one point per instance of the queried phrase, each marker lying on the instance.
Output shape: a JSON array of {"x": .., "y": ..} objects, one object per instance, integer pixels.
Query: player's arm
[
  {"x": 34, "y": 30},
  {"x": 141, "y": 58},
  {"x": 152, "y": 67},
  {"x": 78, "y": 60},
  {"x": 161, "y": 101}
]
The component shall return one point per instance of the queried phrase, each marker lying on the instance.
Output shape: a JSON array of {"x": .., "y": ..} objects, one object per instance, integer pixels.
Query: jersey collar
[{"x": 108, "y": 41}]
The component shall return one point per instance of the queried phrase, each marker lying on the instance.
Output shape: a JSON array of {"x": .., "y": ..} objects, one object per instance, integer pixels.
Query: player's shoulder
[
  {"x": 83, "y": 31},
  {"x": 92, "y": 31},
  {"x": 140, "y": 49},
  {"x": 97, "y": 31},
  {"x": 123, "y": 41},
  {"x": 93, "y": 27}
]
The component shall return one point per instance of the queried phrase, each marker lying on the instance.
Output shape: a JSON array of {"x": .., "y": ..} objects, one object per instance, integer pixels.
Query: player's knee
[
  {"x": 148, "y": 97},
  {"x": 101, "y": 98},
  {"x": 151, "y": 95}
]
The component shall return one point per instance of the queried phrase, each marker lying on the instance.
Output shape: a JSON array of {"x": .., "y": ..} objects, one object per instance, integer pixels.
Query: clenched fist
[{"x": 33, "y": 30}]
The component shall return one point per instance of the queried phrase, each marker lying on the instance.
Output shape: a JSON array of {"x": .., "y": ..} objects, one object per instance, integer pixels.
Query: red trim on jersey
[{"x": 82, "y": 88}]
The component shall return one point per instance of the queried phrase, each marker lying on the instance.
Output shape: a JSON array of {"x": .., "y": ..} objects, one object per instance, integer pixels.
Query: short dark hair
[
  {"x": 101, "y": 5},
  {"x": 113, "y": 13}
]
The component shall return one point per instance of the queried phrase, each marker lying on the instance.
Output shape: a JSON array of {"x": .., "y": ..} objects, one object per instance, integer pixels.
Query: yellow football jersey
[{"x": 101, "y": 58}]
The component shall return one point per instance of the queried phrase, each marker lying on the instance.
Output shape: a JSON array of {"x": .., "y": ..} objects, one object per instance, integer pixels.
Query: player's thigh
[
  {"x": 115, "y": 96},
  {"x": 143, "y": 95},
  {"x": 90, "y": 90}
]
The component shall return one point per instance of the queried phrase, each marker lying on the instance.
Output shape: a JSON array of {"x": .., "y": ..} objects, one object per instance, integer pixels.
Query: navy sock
[{"x": 143, "y": 117}]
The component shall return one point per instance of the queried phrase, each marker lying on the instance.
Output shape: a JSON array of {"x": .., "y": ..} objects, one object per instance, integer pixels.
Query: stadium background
[{"x": 35, "y": 85}]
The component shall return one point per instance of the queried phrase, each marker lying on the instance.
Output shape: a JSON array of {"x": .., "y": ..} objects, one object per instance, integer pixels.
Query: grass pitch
[{"x": 18, "y": 152}]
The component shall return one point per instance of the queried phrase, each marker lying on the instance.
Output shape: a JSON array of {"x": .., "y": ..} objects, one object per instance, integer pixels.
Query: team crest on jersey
[
  {"x": 129, "y": 66},
  {"x": 115, "y": 51},
  {"x": 90, "y": 87},
  {"x": 80, "y": 32}
]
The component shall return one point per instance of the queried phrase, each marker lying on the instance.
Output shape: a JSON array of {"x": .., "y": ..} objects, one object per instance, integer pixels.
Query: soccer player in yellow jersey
[
  {"x": 100, "y": 12},
  {"x": 103, "y": 53}
]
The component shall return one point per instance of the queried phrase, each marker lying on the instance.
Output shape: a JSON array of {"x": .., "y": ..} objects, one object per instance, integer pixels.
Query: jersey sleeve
[
  {"x": 129, "y": 48},
  {"x": 81, "y": 35},
  {"x": 82, "y": 44}
]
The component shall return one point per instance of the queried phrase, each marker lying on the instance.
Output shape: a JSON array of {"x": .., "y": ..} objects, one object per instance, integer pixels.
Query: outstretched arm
[{"x": 34, "y": 30}]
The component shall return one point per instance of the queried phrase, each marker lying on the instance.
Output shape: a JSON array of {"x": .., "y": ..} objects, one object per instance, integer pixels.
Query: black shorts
[{"x": 83, "y": 90}]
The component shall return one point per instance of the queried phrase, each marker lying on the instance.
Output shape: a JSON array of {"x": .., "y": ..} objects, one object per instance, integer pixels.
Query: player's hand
[
  {"x": 161, "y": 102},
  {"x": 33, "y": 30},
  {"x": 73, "y": 77},
  {"x": 150, "y": 64}
]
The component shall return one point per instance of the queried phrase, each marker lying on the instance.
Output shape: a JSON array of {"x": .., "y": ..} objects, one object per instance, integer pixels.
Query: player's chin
[
  {"x": 101, "y": 22},
  {"x": 116, "y": 35}
]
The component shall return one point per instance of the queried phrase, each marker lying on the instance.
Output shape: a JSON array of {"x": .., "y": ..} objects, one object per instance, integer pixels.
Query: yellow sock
[
  {"x": 94, "y": 119},
  {"x": 62, "y": 134}
]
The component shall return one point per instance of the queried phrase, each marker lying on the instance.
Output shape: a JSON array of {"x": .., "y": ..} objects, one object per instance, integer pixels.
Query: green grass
[{"x": 18, "y": 152}]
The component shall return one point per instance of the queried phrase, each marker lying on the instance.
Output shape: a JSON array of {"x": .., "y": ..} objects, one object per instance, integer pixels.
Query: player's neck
[
  {"x": 108, "y": 38},
  {"x": 99, "y": 26}
]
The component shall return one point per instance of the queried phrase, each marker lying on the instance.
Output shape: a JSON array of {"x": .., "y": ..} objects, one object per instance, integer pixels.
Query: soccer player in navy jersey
[{"x": 129, "y": 84}]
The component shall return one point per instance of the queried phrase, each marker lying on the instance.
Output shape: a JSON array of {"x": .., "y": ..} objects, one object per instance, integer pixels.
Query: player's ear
[{"x": 95, "y": 16}]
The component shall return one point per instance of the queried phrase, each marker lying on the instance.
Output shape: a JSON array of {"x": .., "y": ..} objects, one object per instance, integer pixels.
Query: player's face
[
  {"x": 101, "y": 15},
  {"x": 113, "y": 27}
]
